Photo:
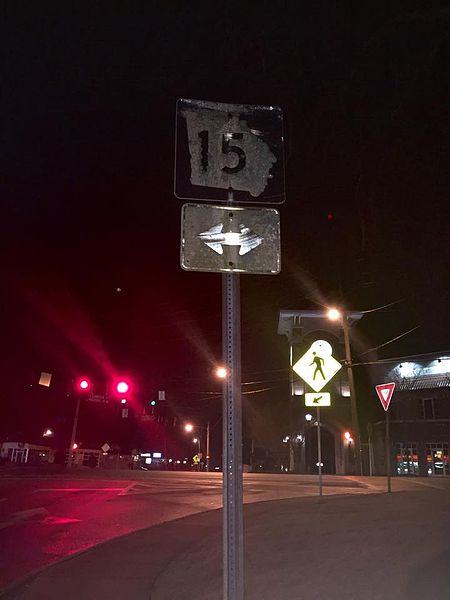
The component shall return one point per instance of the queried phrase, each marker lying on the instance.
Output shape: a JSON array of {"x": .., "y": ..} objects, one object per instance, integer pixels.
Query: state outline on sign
[{"x": 222, "y": 147}]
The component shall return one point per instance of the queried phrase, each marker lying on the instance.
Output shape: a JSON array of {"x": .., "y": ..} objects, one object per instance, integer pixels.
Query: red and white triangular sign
[{"x": 385, "y": 391}]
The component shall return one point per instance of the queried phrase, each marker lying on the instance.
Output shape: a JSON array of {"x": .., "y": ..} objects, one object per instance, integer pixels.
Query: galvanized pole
[
  {"x": 74, "y": 432},
  {"x": 388, "y": 454},
  {"x": 319, "y": 451},
  {"x": 291, "y": 410},
  {"x": 207, "y": 447},
  {"x": 233, "y": 559},
  {"x": 351, "y": 384},
  {"x": 233, "y": 546}
]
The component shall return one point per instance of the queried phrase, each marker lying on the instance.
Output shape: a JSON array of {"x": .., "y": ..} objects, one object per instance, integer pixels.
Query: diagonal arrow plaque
[
  {"x": 227, "y": 239},
  {"x": 320, "y": 399}
]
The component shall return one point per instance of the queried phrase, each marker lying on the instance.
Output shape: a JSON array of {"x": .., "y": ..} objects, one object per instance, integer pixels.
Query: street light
[
  {"x": 189, "y": 427},
  {"x": 84, "y": 386},
  {"x": 48, "y": 432},
  {"x": 336, "y": 315},
  {"x": 221, "y": 372}
]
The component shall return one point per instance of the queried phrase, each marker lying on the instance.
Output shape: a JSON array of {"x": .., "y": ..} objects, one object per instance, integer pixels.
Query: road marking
[
  {"x": 60, "y": 521},
  {"x": 426, "y": 484},
  {"x": 79, "y": 490},
  {"x": 22, "y": 515},
  {"x": 126, "y": 490},
  {"x": 137, "y": 488}
]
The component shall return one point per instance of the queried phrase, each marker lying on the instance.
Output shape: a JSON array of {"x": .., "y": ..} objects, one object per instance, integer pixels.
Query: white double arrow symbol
[{"x": 216, "y": 239}]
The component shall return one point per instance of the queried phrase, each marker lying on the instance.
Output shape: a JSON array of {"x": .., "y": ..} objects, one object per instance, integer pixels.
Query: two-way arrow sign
[
  {"x": 216, "y": 239},
  {"x": 228, "y": 239}
]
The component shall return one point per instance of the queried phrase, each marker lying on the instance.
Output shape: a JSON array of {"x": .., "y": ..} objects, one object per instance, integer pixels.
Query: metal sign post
[
  {"x": 231, "y": 154},
  {"x": 319, "y": 452},
  {"x": 388, "y": 453},
  {"x": 385, "y": 392},
  {"x": 233, "y": 557}
]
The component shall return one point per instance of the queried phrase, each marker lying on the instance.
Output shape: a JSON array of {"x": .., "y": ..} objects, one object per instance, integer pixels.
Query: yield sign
[{"x": 385, "y": 391}]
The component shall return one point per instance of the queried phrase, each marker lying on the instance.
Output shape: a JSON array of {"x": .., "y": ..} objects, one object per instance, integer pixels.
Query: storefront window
[
  {"x": 437, "y": 459},
  {"x": 407, "y": 458}
]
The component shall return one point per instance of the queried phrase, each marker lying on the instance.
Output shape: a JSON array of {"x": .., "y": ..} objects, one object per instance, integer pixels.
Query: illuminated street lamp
[
  {"x": 333, "y": 314},
  {"x": 221, "y": 372},
  {"x": 84, "y": 386},
  {"x": 336, "y": 315},
  {"x": 189, "y": 427},
  {"x": 48, "y": 432}
]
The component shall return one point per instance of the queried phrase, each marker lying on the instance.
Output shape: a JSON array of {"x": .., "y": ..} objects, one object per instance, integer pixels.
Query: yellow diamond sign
[{"x": 317, "y": 366}]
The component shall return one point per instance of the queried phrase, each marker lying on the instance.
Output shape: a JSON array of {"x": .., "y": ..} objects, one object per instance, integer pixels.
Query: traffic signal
[
  {"x": 122, "y": 387},
  {"x": 84, "y": 384}
]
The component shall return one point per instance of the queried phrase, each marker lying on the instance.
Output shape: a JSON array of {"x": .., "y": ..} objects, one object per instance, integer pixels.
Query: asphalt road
[{"x": 45, "y": 517}]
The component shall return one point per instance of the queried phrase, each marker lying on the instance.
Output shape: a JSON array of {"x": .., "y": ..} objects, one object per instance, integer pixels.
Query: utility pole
[
  {"x": 207, "y": 448},
  {"x": 351, "y": 384},
  {"x": 291, "y": 410},
  {"x": 74, "y": 432}
]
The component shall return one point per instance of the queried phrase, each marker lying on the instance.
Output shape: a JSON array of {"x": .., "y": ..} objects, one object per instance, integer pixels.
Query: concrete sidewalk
[{"x": 374, "y": 547}]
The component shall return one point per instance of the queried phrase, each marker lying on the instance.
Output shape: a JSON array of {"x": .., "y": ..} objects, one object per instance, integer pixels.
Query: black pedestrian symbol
[{"x": 318, "y": 361}]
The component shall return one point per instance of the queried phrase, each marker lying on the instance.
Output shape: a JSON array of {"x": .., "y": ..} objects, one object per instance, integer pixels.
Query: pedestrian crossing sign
[{"x": 317, "y": 366}]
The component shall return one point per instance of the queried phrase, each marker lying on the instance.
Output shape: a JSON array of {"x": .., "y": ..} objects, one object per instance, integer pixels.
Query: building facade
[
  {"x": 419, "y": 416},
  {"x": 302, "y": 328}
]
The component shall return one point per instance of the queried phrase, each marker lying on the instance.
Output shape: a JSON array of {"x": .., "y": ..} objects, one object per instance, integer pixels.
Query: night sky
[{"x": 87, "y": 202}]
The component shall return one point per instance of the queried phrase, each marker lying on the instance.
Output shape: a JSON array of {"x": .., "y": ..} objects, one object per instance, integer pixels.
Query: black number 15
[{"x": 227, "y": 148}]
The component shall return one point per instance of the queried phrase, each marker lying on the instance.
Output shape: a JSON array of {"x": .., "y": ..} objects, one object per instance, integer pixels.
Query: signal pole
[
  {"x": 351, "y": 385},
  {"x": 74, "y": 432}
]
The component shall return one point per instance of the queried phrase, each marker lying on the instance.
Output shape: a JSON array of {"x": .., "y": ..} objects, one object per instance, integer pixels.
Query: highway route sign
[
  {"x": 226, "y": 239},
  {"x": 385, "y": 392},
  {"x": 317, "y": 366},
  {"x": 229, "y": 147},
  {"x": 318, "y": 399}
]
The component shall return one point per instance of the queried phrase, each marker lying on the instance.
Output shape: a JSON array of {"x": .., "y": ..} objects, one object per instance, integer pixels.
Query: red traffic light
[
  {"x": 122, "y": 387},
  {"x": 84, "y": 384}
]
